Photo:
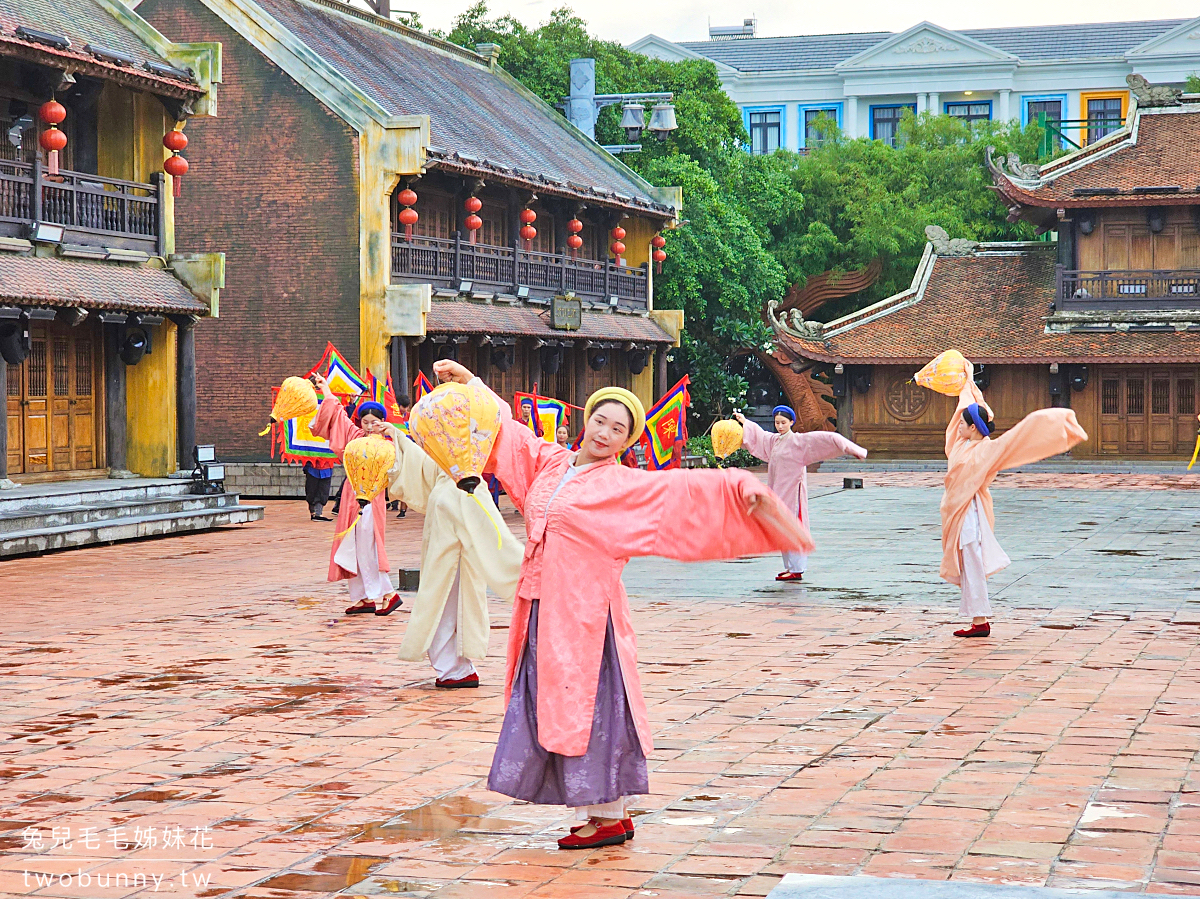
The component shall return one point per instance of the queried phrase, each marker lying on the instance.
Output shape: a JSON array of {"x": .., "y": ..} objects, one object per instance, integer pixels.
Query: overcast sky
[{"x": 628, "y": 20}]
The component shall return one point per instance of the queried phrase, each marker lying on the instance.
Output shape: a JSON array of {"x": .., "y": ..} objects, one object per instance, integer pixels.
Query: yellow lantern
[
  {"x": 367, "y": 461},
  {"x": 457, "y": 424},
  {"x": 297, "y": 397},
  {"x": 947, "y": 373},
  {"x": 726, "y": 438}
]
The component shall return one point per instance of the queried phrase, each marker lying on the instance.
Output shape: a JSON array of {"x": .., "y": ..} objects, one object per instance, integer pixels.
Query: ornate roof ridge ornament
[
  {"x": 1011, "y": 167},
  {"x": 791, "y": 323},
  {"x": 943, "y": 245},
  {"x": 1149, "y": 95}
]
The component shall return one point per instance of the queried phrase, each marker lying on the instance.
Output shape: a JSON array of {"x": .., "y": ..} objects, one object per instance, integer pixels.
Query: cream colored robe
[{"x": 459, "y": 537}]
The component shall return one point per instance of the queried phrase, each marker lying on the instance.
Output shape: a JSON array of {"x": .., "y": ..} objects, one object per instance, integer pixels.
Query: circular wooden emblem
[{"x": 905, "y": 399}]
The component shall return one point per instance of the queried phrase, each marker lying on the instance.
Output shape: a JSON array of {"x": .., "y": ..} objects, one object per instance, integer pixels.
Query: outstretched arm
[
  {"x": 970, "y": 394},
  {"x": 1037, "y": 436},
  {"x": 756, "y": 441},
  {"x": 817, "y": 446}
]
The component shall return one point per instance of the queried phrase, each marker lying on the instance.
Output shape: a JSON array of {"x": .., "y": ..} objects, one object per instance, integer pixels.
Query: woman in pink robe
[
  {"x": 368, "y": 574},
  {"x": 970, "y": 552},
  {"x": 576, "y": 731},
  {"x": 788, "y": 454}
]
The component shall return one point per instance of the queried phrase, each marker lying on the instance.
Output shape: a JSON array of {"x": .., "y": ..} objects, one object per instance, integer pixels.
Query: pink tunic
[
  {"x": 973, "y": 465},
  {"x": 334, "y": 425},
  {"x": 788, "y": 457},
  {"x": 577, "y": 547}
]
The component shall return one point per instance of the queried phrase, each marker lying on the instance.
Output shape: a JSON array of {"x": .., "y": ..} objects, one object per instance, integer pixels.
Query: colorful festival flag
[
  {"x": 421, "y": 386},
  {"x": 666, "y": 422},
  {"x": 551, "y": 413},
  {"x": 343, "y": 380},
  {"x": 383, "y": 393}
]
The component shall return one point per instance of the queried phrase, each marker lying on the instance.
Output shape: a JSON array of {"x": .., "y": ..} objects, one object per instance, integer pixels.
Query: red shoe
[
  {"x": 627, "y": 823},
  {"x": 606, "y": 835},
  {"x": 975, "y": 630},
  {"x": 392, "y": 605},
  {"x": 790, "y": 576},
  {"x": 471, "y": 680},
  {"x": 365, "y": 609}
]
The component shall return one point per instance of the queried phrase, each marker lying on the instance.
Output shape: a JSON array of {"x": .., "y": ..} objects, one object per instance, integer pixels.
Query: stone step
[
  {"x": 82, "y": 493},
  {"x": 40, "y": 518},
  {"x": 72, "y": 536}
]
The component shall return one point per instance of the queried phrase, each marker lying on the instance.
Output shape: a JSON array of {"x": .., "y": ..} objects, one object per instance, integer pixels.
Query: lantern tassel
[
  {"x": 658, "y": 269},
  {"x": 52, "y": 163},
  {"x": 177, "y": 185},
  {"x": 408, "y": 233},
  {"x": 471, "y": 236}
]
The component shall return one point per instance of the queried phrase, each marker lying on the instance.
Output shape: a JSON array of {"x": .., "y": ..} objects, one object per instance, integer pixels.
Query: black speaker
[
  {"x": 862, "y": 379},
  {"x": 1079, "y": 377},
  {"x": 15, "y": 342},
  {"x": 637, "y": 361},
  {"x": 551, "y": 359},
  {"x": 502, "y": 359},
  {"x": 448, "y": 351},
  {"x": 134, "y": 346},
  {"x": 597, "y": 359},
  {"x": 983, "y": 377}
]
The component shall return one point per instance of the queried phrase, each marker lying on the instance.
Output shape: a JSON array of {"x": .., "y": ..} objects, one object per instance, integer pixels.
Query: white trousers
[
  {"x": 443, "y": 649},
  {"x": 795, "y": 562},
  {"x": 361, "y": 557},
  {"x": 614, "y": 809},
  {"x": 974, "y": 602}
]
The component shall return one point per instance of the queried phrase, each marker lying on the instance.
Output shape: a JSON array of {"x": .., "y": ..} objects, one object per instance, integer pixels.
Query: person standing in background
[{"x": 317, "y": 480}]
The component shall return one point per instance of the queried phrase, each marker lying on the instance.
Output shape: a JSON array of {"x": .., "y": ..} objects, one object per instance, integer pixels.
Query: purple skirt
[{"x": 613, "y": 766}]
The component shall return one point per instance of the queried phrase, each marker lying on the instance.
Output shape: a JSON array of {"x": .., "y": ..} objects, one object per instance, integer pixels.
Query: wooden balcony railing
[
  {"x": 94, "y": 211},
  {"x": 1146, "y": 290},
  {"x": 446, "y": 263}
]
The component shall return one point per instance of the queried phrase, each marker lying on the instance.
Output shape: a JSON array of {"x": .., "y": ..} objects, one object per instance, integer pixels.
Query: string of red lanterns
[
  {"x": 472, "y": 222},
  {"x": 659, "y": 255},
  {"x": 175, "y": 165},
  {"x": 52, "y": 113},
  {"x": 528, "y": 232},
  {"x": 617, "y": 247},
  {"x": 574, "y": 241},
  {"x": 408, "y": 216}
]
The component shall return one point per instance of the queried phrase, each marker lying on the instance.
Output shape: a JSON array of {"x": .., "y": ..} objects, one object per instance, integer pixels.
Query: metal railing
[
  {"x": 451, "y": 261},
  {"x": 94, "y": 211},
  {"x": 1087, "y": 131},
  {"x": 1127, "y": 290}
]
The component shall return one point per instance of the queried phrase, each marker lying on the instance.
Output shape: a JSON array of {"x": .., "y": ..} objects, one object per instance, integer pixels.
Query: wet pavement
[{"x": 194, "y": 716}]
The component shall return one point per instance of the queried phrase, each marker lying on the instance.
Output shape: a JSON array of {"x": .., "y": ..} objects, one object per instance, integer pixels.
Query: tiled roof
[
  {"x": 993, "y": 307},
  {"x": 473, "y": 111},
  {"x": 51, "y": 281},
  {"x": 1165, "y": 154},
  {"x": 82, "y": 22},
  {"x": 816, "y": 52},
  {"x": 460, "y": 317}
]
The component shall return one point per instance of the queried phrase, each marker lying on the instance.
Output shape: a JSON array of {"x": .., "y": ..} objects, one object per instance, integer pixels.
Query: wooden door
[
  {"x": 16, "y": 426},
  {"x": 36, "y": 413},
  {"x": 1148, "y": 411}
]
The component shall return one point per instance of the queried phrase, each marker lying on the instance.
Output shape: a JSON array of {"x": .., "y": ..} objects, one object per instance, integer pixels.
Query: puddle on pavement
[
  {"x": 152, "y": 796},
  {"x": 1060, "y": 627},
  {"x": 45, "y": 649},
  {"x": 735, "y": 634},
  {"x": 307, "y": 602},
  {"x": 330, "y": 874},
  {"x": 169, "y": 681},
  {"x": 310, "y": 689},
  {"x": 434, "y": 821},
  {"x": 1121, "y": 552}
]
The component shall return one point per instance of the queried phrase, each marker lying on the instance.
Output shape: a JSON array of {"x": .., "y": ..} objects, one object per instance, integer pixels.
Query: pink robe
[
  {"x": 334, "y": 425},
  {"x": 973, "y": 465},
  {"x": 788, "y": 457},
  {"x": 578, "y": 546}
]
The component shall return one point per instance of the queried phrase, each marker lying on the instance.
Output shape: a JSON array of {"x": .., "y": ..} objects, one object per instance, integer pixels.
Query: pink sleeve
[
  {"x": 518, "y": 456},
  {"x": 697, "y": 515},
  {"x": 1037, "y": 436},
  {"x": 334, "y": 425},
  {"x": 758, "y": 442},
  {"x": 817, "y": 446}
]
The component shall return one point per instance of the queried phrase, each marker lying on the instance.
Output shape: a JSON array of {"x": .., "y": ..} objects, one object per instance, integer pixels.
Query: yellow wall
[
  {"x": 637, "y": 240},
  {"x": 643, "y": 384},
  {"x": 132, "y": 126},
  {"x": 150, "y": 407}
]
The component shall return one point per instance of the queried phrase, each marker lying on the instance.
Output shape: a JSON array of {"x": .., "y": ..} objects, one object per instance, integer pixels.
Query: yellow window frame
[{"x": 1085, "y": 96}]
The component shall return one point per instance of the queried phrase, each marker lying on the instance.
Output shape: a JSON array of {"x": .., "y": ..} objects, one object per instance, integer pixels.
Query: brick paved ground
[{"x": 210, "y": 682}]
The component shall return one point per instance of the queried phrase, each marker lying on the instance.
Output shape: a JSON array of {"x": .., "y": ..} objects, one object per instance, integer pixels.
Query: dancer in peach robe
[
  {"x": 576, "y": 731},
  {"x": 788, "y": 454},
  {"x": 970, "y": 552},
  {"x": 366, "y": 567}
]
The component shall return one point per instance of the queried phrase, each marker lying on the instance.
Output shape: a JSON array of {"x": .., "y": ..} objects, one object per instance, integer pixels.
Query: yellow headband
[{"x": 626, "y": 399}]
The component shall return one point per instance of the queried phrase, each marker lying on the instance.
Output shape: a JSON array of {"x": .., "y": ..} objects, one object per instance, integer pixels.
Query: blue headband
[
  {"x": 372, "y": 408},
  {"x": 977, "y": 420},
  {"x": 785, "y": 410}
]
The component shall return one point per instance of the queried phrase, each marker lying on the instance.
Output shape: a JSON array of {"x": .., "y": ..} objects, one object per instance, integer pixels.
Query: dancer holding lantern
[
  {"x": 576, "y": 731},
  {"x": 788, "y": 454},
  {"x": 465, "y": 545},
  {"x": 970, "y": 552},
  {"x": 358, "y": 554}
]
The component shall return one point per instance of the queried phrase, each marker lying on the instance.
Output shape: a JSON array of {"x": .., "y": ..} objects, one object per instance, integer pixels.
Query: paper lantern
[
  {"x": 946, "y": 373},
  {"x": 52, "y": 113},
  {"x": 456, "y": 425},
  {"x": 726, "y": 438},
  {"x": 296, "y": 397},
  {"x": 367, "y": 461}
]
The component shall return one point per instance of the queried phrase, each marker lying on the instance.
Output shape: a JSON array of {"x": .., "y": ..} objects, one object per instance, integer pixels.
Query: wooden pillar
[
  {"x": 185, "y": 388},
  {"x": 660, "y": 372},
  {"x": 581, "y": 391},
  {"x": 400, "y": 379},
  {"x": 4, "y": 482},
  {"x": 114, "y": 402}
]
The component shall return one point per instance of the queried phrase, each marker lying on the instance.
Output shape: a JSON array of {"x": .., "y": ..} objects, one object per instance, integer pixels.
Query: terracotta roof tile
[
  {"x": 993, "y": 307},
  {"x": 461, "y": 317},
  {"x": 50, "y": 281}
]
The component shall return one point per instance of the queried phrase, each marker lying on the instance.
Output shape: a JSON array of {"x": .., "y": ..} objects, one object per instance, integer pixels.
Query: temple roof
[
  {"x": 119, "y": 287},
  {"x": 460, "y": 317},
  {"x": 993, "y": 304}
]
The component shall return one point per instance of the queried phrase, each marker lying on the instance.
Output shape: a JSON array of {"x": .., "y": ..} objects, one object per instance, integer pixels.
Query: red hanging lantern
[
  {"x": 52, "y": 113},
  {"x": 618, "y": 250},
  {"x": 659, "y": 258},
  {"x": 408, "y": 217},
  {"x": 175, "y": 166},
  {"x": 658, "y": 241},
  {"x": 574, "y": 241},
  {"x": 528, "y": 234},
  {"x": 472, "y": 222},
  {"x": 528, "y": 216},
  {"x": 618, "y": 233},
  {"x": 473, "y": 204},
  {"x": 574, "y": 226}
]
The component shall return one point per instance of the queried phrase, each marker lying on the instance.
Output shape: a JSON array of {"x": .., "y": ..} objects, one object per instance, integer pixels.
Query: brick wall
[
  {"x": 273, "y": 184},
  {"x": 270, "y": 480}
]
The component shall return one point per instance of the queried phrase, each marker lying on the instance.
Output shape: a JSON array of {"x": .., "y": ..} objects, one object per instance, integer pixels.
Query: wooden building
[
  {"x": 1105, "y": 320},
  {"x": 96, "y": 307},
  {"x": 330, "y": 117}
]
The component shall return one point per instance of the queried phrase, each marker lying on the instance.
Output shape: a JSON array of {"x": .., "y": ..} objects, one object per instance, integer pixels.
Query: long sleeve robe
[
  {"x": 788, "y": 457},
  {"x": 577, "y": 547},
  {"x": 334, "y": 425},
  {"x": 460, "y": 536},
  {"x": 973, "y": 465}
]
